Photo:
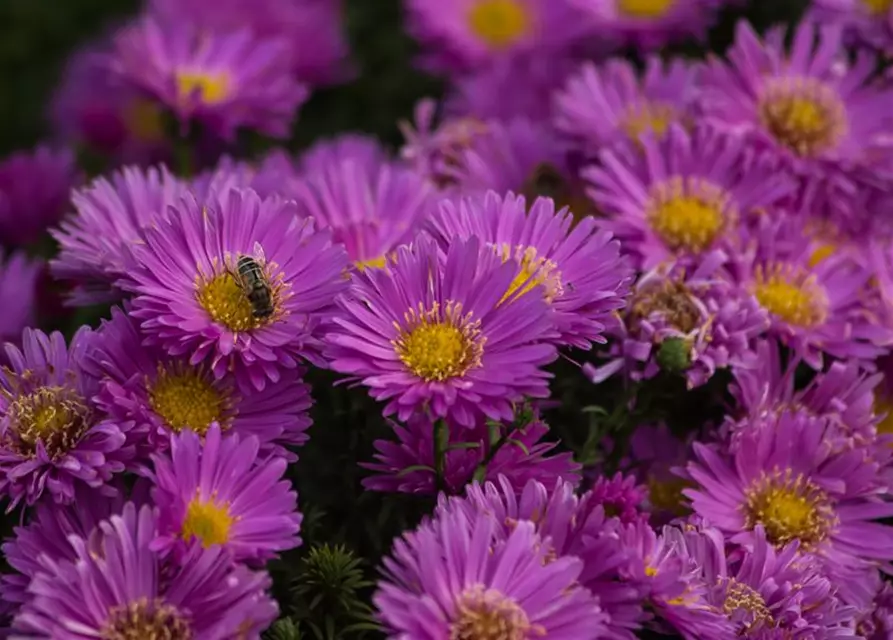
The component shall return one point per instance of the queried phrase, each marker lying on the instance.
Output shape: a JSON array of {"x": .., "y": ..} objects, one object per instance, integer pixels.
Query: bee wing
[{"x": 259, "y": 253}]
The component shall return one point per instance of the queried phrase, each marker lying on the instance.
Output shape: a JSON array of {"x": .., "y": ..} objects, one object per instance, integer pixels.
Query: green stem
[{"x": 441, "y": 442}]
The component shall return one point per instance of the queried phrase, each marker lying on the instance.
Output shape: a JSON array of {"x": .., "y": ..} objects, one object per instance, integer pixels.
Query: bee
[{"x": 251, "y": 279}]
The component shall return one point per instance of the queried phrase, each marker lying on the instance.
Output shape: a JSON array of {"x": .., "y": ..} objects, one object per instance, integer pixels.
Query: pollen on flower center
[
  {"x": 440, "y": 343},
  {"x": 56, "y": 417},
  {"x": 185, "y": 398},
  {"x": 226, "y": 302},
  {"x": 648, "y": 117},
  {"x": 789, "y": 508},
  {"x": 645, "y": 8},
  {"x": 499, "y": 23},
  {"x": 688, "y": 214},
  {"x": 793, "y": 295},
  {"x": 671, "y": 299},
  {"x": 534, "y": 271},
  {"x": 374, "y": 263},
  {"x": 746, "y": 604},
  {"x": 486, "y": 614},
  {"x": 803, "y": 114},
  {"x": 208, "y": 520},
  {"x": 143, "y": 119},
  {"x": 145, "y": 620},
  {"x": 878, "y": 7},
  {"x": 666, "y": 495},
  {"x": 211, "y": 88}
]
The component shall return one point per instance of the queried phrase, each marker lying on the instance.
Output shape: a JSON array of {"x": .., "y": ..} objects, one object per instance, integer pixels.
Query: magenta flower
[
  {"x": 408, "y": 464},
  {"x": 609, "y": 105},
  {"x": 110, "y": 214},
  {"x": 19, "y": 280},
  {"x": 189, "y": 302},
  {"x": 620, "y": 496},
  {"x": 50, "y": 437},
  {"x": 578, "y": 271},
  {"x": 360, "y": 149},
  {"x": 654, "y": 453},
  {"x": 217, "y": 490},
  {"x": 431, "y": 333},
  {"x": 683, "y": 194},
  {"x": 34, "y": 190},
  {"x": 865, "y": 23},
  {"x": 162, "y": 395},
  {"x": 119, "y": 587},
  {"x": 458, "y": 577},
  {"x": 224, "y": 81}
]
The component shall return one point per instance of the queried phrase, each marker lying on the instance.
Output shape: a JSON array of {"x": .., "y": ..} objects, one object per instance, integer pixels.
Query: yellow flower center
[
  {"x": 56, "y": 417},
  {"x": 822, "y": 252},
  {"x": 883, "y": 405},
  {"x": 746, "y": 604},
  {"x": 185, "y": 398},
  {"x": 793, "y": 295},
  {"x": 645, "y": 8},
  {"x": 667, "y": 496},
  {"x": 207, "y": 520},
  {"x": 375, "y": 263},
  {"x": 500, "y": 23},
  {"x": 648, "y": 117},
  {"x": 533, "y": 272},
  {"x": 803, "y": 114},
  {"x": 144, "y": 120},
  {"x": 211, "y": 88},
  {"x": 227, "y": 303},
  {"x": 688, "y": 214},
  {"x": 878, "y": 7},
  {"x": 439, "y": 343},
  {"x": 671, "y": 299},
  {"x": 486, "y": 614},
  {"x": 789, "y": 508},
  {"x": 145, "y": 620}
]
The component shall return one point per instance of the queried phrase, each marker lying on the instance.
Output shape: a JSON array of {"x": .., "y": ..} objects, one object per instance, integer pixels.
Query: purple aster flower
[
  {"x": 363, "y": 150},
  {"x": 804, "y": 102},
  {"x": 162, "y": 395},
  {"x": 217, "y": 490},
  {"x": 686, "y": 321},
  {"x": 313, "y": 30},
  {"x": 814, "y": 308},
  {"x": 189, "y": 301},
  {"x": 19, "y": 279},
  {"x": 470, "y": 34},
  {"x": 50, "y": 440},
  {"x": 646, "y": 24},
  {"x": 272, "y": 175},
  {"x": 684, "y": 194},
  {"x": 110, "y": 214},
  {"x": 654, "y": 453},
  {"x": 371, "y": 209},
  {"x": 431, "y": 332},
  {"x": 578, "y": 271},
  {"x": 91, "y": 109},
  {"x": 34, "y": 190},
  {"x": 121, "y": 589},
  {"x": 789, "y": 479},
  {"x": 608, "y": 105},
  {"x": 865, "y": 22},
  {"x": 222, "y": 80},
  {"x": 877, "y": 622},
  {"x": 620, "y": 496},
  {"x": 519, "y": 454},
  {"x": 456, "y": 577}
]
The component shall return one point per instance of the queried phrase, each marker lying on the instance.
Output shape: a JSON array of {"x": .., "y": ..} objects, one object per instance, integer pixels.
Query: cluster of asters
[{"x": 725, "y": 219}]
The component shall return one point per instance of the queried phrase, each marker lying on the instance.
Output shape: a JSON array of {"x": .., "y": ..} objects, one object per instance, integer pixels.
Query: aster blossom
[
  {"x": 120, "y": 591},
  {"x": 865, "y": 23},
  {"x": 19, "y": 279},
  {"x": 453, "y": 577},
  {"x": 51, "y": 438},
  {"x": 224, "y": 80},
  {"x": 161, "y": 395},
  {"x": 196, "y": 308},
  {"x": 431, "y": 333},
  {"x": 684, "y": 194}
]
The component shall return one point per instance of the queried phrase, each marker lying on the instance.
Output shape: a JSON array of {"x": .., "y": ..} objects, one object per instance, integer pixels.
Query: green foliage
[{"x": 283, "y": 629}]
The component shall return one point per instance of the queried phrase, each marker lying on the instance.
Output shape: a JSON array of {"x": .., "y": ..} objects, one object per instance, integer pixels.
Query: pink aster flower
[
  {"x": 877, "y": 622},
  {"x": 162, "y": 395},
  {"x": 34, "y": 190},
  {"x": 814, "y": 308},
  {"x": 189, "y": 302},
  {"x": 865, "y": 23},
  {"x": 217, "y": 490},
  {"x": 119, "y": 587},
  {"x": 430, "y": 332},
  {"x": 685, "y": 321},
  {"x": 109, "y": 216},
  {"x": 19, "y": 280},
  {"x": 791, "y": 481},
  {"x": 517, "y": 453},
  {"x": 578, "y": 270},
  {"x": 620, "y": 496},
  {"x": 50, "y": 437},
  {"x": 456, "y": 577},
  {"x": 654, "y": 453},
  {"x": 363, "y": 150},
  {"x": 608, "y": 105},
  {"x": 684, "y": 194},
  {"x": 222, "y": 80}
]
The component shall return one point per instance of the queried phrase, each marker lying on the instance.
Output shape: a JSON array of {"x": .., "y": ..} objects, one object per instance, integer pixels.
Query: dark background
[{"x": 37, "y": 35}]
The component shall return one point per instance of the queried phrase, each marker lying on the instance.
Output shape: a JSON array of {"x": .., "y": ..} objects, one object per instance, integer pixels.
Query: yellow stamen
[
  {"x": 648, "y": 117},
  {"x": 487, "y": 614},
  {"x": 746, "y": 604},
  {"x": 689, "y": 214},
  {"x": 186, "y": 398},
  {"x": 645, "y": 9},
  {"x": 374, "y": 263},
  {"x": 211, "y": 88},
  {"x": 803, "y": 114},
  {"x": 145, "y": 620},
  {"x": 439, "y": 343},
  {"x": 55, "y": 416},
  {"x": 878, "y": 7},
  {"x": 533, "y": 272},
  {"x": 671, "y": 299},
  {"x": 500, "y": 23},
  {"x": 207, "y": 520},
  {"x": 227, "y": 303},
  {"x": 795, "y": 296},
  {"x": 144, "y": 120}
]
